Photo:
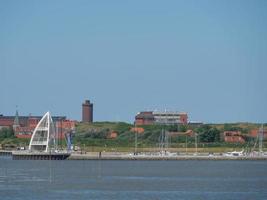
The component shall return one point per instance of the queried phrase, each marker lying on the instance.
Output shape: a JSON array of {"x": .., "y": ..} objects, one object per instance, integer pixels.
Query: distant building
[
  {"x": 137, "y": 129},
  {"x": 233, "y": 137},
  {"x": 87, "y": 111},
  {"x": 170, "y": 117},
  {"x": 9, "y": 121},
  {"x": 255, "y": 132},
  {"x": 112, "y": 135},
  {"x": 144, "y": 118},
  {"x": 64, "y": 126},
  {"x": 24, "y": 126},
  {"x": 167, "y": 117}
]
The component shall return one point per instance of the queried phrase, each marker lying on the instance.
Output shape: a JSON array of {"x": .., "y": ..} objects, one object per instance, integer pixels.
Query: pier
[
  {"x": 5, "y": 153},
  {"x": 39, "y": 156}
]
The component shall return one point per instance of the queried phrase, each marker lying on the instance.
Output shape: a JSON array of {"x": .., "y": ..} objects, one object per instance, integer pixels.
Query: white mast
[{"x": 260, "y": 139}]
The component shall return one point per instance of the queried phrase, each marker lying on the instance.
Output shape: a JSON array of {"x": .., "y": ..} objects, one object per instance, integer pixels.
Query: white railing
[
  {"x": 42, "y": 129},
  {"x": 38, "y": 142}
]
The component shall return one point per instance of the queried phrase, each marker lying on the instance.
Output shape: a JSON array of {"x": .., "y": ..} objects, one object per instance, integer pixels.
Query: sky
[{"x": 207, "y": 58}]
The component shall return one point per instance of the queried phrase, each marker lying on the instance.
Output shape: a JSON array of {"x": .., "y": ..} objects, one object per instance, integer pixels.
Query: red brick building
[
  {"x": 112, "y": 135},
  {"x": 137, "y": 129},
  {"x": 255, "y": 132},
  {"x": 64, "y": 126},
  {"x": 166, "y": 117},
  {"x": 233, "y": 137},
  {"x": 183, "y": 118},
  {"x": 24, "y": 125},
  {"x": 144, "y": 118}
]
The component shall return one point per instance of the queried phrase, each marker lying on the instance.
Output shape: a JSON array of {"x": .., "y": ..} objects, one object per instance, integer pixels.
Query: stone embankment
[{"x": 128, "y": 156}]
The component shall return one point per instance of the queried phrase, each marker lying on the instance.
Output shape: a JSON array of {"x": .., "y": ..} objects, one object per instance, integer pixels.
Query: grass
[
  {"x": 148, "y": 141},
  {"x": 147, "y": 149}
]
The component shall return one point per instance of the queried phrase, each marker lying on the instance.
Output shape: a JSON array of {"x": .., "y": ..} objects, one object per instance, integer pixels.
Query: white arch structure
[{"x": 43, "y": 137}]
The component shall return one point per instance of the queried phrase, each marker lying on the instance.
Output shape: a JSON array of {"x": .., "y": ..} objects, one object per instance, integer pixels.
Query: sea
[{"x": 132, "y": 180}]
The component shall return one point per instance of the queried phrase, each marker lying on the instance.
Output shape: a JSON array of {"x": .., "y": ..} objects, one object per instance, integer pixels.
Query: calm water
[{"x": 203, "y": 180}]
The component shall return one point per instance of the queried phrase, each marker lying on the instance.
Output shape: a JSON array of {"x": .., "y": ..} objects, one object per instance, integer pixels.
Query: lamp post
[
  {"x": 186, "y": 144},
  {"x": 196, "y": 143}
]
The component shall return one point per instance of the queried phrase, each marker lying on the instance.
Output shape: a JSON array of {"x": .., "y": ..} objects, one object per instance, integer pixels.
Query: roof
[
  {"x": 56, "y": 118},
  {"x": 169, "y": 113},
  {"x": 23, "y": 120},
  {"x": 145, "y": 115}
]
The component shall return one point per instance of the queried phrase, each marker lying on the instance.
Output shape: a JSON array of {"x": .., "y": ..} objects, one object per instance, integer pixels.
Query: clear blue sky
[{"x": 208, "y": 58}]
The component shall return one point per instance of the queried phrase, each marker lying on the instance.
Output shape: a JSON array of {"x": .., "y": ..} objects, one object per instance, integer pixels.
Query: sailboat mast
[{"x": 260, "y": 139}]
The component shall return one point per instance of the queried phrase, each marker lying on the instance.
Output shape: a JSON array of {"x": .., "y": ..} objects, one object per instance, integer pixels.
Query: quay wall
[
  {"x": 39, "y": 156},
  {"x": 122, "y": 156},
  {"x": 5, "y": 153},
  {"x": 95, "y": 156}
]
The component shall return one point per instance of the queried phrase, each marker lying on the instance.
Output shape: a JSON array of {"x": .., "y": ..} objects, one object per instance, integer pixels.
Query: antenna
[{"x": 260, "y": 139}]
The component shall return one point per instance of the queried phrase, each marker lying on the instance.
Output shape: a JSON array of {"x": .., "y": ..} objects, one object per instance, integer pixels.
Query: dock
[{"x": 5, "y": 153}]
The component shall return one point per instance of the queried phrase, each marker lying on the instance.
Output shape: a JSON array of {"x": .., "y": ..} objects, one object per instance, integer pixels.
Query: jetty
[
  {"x": 43, "y": 144},
  {"x": 5, "y": 153},
  {"x": 22, "y": 155}
]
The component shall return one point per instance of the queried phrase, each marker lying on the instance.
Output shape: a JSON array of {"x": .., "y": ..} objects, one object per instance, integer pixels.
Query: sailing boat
[
  {"x": 259, "y": 141},
  {"x": 43, "y": 145},
  {"x": 235, "y": 153}
]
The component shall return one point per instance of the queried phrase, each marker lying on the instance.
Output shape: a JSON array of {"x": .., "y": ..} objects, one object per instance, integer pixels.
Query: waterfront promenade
[{"x": 131, "y": 156}]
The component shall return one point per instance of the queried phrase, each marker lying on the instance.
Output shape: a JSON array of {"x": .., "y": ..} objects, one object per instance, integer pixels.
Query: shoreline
[
  {"x": 112, "y": 156},
  {"x": 146, "y": 157}
]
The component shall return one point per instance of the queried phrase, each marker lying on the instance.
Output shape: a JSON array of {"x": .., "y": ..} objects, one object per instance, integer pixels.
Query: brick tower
[{"x": 87, "y": 111}]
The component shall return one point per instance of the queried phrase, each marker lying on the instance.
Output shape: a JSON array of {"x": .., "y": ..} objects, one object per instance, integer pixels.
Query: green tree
[
  {"x": 7, "y": 133},
  {"x": 183, "y": 128},
  {"x": 208, "y": 134},
  {"x": 172, "y": 128}
]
